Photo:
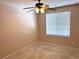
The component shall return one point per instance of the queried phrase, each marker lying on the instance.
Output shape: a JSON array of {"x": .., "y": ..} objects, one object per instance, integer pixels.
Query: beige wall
[
  {"x": 73, "y": 40},
  {"x": 17, "y": 29}
]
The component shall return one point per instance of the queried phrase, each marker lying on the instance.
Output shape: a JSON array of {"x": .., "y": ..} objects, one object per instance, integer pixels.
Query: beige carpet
[{"x": 44, "y": 50}]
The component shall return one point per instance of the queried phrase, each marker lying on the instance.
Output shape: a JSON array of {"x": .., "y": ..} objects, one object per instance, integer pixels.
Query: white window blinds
[{"x": 58, "y": 23}]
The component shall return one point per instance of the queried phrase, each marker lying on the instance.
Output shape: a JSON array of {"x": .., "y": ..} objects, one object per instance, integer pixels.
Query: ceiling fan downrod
[{"x": 39, "y": 1}]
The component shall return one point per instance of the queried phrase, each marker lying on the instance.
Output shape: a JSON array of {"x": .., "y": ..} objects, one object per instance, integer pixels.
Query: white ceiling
[{"x": 27, "y": 3}]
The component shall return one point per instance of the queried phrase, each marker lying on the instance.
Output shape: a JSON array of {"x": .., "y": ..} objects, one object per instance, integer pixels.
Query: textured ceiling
[{"x": 27, "y": 3}]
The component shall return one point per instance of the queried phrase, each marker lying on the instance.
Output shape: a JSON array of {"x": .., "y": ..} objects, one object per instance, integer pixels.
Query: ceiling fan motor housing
[{"x": 39, "y": 5}]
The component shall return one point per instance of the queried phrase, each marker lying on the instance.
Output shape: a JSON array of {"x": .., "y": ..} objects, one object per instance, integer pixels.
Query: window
[{"x": 58, "y": 23}]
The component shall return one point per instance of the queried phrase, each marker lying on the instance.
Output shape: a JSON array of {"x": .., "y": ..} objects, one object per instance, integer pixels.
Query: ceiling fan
[{"x": 40, "y": 7}]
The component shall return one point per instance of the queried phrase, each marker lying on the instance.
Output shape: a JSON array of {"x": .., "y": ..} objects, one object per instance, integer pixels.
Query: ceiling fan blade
[
  {"x": 28, "y": 7},
  {"x": 52, "y": 9},
  {"x": 30, "y": 10}
]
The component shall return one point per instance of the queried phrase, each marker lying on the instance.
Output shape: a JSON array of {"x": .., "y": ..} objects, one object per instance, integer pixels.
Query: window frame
[{"x": 58, "y": 34}]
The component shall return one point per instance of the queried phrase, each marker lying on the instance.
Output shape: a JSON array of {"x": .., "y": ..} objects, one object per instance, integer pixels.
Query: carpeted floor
[{"x": 44, "y": 50}]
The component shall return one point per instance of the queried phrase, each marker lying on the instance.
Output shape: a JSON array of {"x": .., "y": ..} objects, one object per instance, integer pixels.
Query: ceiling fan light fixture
[
  {"x": 42, "y": 10},
  {"x": 39, "y": 10}
]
